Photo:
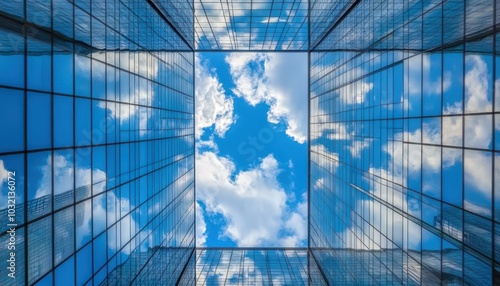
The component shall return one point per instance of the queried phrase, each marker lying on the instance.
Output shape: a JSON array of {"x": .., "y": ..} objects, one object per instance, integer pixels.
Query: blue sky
[{"x": 251, "y": 149}]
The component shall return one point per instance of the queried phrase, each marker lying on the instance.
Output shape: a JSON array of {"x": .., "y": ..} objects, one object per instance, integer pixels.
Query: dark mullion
[
  {"x": 25, "y": 143},
  {"x": 52, "y": 137},
  {"x": 463, "y": 134},
  {"x": 493, "y": 142}
]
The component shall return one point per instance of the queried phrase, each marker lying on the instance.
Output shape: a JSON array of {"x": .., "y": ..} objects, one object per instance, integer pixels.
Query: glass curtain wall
[
  {"x": 404, "y": 170},
  {"x": 97, "y": 144}
]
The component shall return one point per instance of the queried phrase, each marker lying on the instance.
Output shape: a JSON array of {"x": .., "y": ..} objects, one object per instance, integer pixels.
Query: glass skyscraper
[{"x": 97, "y": 141}]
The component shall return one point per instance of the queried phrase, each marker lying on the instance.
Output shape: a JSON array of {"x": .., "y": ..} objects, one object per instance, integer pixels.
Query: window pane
[
  {"x": 64, "y": 231},
  {"x": 12, "y": 167},
  {"x": 478, "y": 188},
  {"x": 65, "y": 273},
  {"x": 83, "y": 219},
  {"x": 12, "y": 118},
  {"x": 12, "y": 59},
  {"x": 39, "y": 131},
  {"x": 452, "y": 130},
  {"x": 82, "y": 124},
  {"x": 452, "y": 176},
  {"x": 39, "y": 248},
  {"x": 478, "y": 131},
  {"x": 82, "y": 75},
  {"x": 63, "y": 121},
  {"x": 64, "y": 174},
  {"x": 63, "y": 72},
  {"x": 84, "y": 262},
  {"x": 39, "y": 65},
  {"x": 39, "y": 184}
]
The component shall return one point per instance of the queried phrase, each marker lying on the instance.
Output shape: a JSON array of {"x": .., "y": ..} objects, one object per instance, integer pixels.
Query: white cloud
[
  {"x": 328, "y": 161},
  {"x": 248, "y": 76},
  {"x": 121, "y": 208},
  {"x": 357, "y": 147},
  {"x": 252, "y": 202},
  {"x": 222, "y": 274},
  {"x": 201, "y": 226},
  {"x": 356, "y": 88},
  {"x": 410, "y": 155},
  {"x": 278, "y": 80},
  {"x": 452, "y": 131},
  {"x": 296, "y": 224},
  {"x": 319, "y": 183},
  {"x": 476, "y": 209},
  {"x": 419, "y": 66},
  {"x": 354, "y": 93},
  {"x": 477, "y": 171},
  {"x": 322, "y": 125},
  {"x": 213, "y": 107},
  {"x": 333, "y": 158},
  {"x": 476, "y": 85},
  {"x": 63, "y": 177},
  {"x": 221, "y": 32},
  {"x": 273, "y": 20},
  {"x": 3, "y": 173},
  {"x": 339, "y": 131},
  {"x": 209, "y": 144},
  {"x": 124, "y": 112}
]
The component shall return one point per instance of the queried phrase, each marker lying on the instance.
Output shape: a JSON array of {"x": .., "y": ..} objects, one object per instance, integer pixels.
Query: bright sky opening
[{"x": 251, "y": 154}]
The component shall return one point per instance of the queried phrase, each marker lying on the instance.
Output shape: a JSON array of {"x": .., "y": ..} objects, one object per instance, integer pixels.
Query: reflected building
[
  {"x": 157, "y": 266},
  {"x": 97, "y": 139}
]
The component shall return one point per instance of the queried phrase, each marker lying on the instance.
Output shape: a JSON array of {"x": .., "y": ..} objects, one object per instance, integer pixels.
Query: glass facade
[
  {"x": 251, "y": 266},
  {"x": 97, "y": 141},
  {"x": 404, "y": 170},
  {"x": 248, "y": 25},
  {"x": 97, "y": 144}
]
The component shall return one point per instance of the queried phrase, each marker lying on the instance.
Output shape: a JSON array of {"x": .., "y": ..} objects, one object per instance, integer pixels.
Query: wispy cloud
[
  {"x": 273, "y": 20},
  {"x": 213, "y": 106},
  {"x": 201, "y": 226}
]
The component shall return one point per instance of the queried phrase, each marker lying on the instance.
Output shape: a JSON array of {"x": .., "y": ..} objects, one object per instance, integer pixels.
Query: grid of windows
[
  {"x": 324, "y": 17},
  {"x": 157, "y": 266},
  {"x": 404, "y": 151},
  {"x": 96, "y": 101},
  {"x": 180, "y": 14},
  {"x": 240, "y": 266},
  {"x": 251, "y": 25}
]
